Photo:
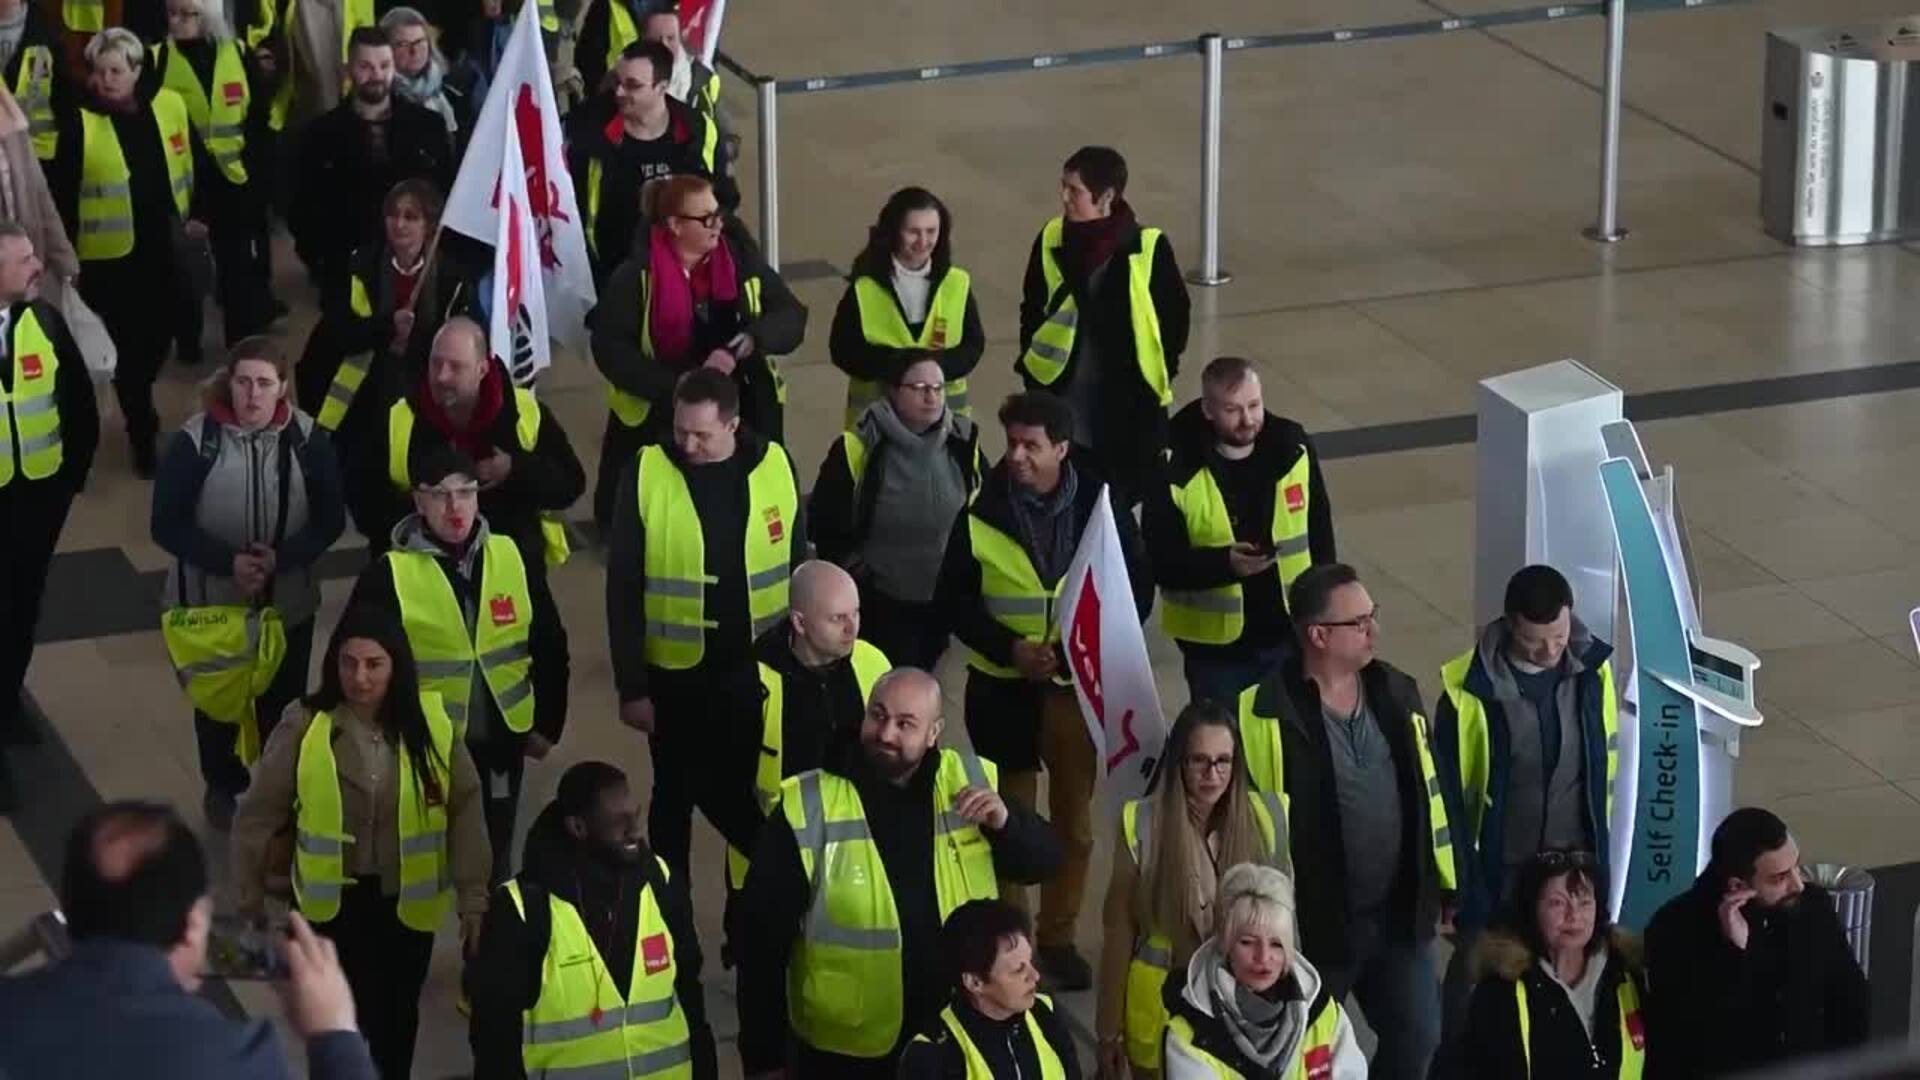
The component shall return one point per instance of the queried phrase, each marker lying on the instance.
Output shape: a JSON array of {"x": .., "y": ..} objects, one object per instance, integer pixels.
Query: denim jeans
[
  {"x": 1397, "y": 984},
  {"x": 1210, "y": 678}
]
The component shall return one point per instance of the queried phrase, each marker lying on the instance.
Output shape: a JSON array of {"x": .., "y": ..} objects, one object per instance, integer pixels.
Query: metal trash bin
[
  {"x": 1835, "y": 156},
  {"x": 1852, "y": 891}
]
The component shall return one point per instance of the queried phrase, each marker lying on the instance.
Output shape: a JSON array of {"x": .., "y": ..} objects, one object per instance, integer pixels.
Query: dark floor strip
[{"x": 54, "y": 792}]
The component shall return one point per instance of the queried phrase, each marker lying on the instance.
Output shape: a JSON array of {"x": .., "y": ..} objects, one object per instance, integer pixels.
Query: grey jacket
[{"x": 204, "y": 512}]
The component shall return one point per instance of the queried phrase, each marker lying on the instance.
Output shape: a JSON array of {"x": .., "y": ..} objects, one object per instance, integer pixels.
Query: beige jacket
[
  {"x": 25, "y": 198},
  {"x": 369, "y": 802}
]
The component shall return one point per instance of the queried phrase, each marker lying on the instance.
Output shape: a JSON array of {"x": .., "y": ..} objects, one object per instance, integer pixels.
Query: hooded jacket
[
  {"x": 1558, "y": 1041},
  {"x": 1190, "y": 997},
  {"x": 1481, "y": 853},
  {"x": 506, "y": 975}
]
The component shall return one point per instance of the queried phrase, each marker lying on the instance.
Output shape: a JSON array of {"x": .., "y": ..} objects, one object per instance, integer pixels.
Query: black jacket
[
  {"x": 1558, "y": 1040},
  {"x": 850, "y": 351},
  {"x": 73, "y": 396},
  {"x": 817, "y": 706},
  {"x": 595, "y": 132},
  {"x": 1249, "y": 489},
  {"x": 338, "y": 186},
  {"x": 546, "y": 640},
  {"x": 1716, "y": 1010},
  {"x": 505, "y": 978},
  {"x": 1313, "y": 824},
  {"x": 625, "y": 363},
  {"x": 1133, "y": 420},
  {"x": 841, "y": 511},
  {"x": 547, "y": 478},
  {"x": 719, "y": 494},
  {"x": 1006, "y": 1045},
  {"x": 778, "y": 896}
]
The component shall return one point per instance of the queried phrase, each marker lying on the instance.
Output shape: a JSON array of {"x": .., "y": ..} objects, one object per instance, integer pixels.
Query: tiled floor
[{"x": 1403, "y": 220}]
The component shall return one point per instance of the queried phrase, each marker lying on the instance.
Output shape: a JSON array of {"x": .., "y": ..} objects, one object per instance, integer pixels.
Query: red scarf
[
  {"x": 471, "y": 437},
  {"x": 674, "y": 291}
]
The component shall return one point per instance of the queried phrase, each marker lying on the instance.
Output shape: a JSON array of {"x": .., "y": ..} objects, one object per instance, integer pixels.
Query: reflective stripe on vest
[
  {"x": 220, "y": 119},
  {"x": 30, "y": 407},
  {"x": 582, "y": 1026},
  {"x": 1051, "y": 349},
  {"x": 1145, "y": 1014},
  {"x": 1633, "y": 1031},
  {"x": 320, "y": 836},
  {"x": 1051, "y": 1067},
  {"x": 106, "y": 187},
  {"x": 446, "y": 651},
  {"x": 1312, "y": 1061},
  {"x": 34, "y": 87},
  {"x": 1011, "y": 591},
  {"x": 84, "y": 16},
  {"x": 352, "y": 371},
  {"x": 676, "y": 570},
  {"x": 1217, "y": 616},
  {"x": 631, "y": 409},
  {"x": 869, "y": 663},
  {"x": 883, "y": 324},
  {"x": 226, "y": 657},
  {"x": 844, "y": 983}
]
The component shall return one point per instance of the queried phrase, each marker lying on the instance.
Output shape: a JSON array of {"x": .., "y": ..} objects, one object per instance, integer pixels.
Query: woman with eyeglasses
[
  {"x": 387, "y": 832},
  {"x": 884, "y": 505},
  {"x": 1248, "y": 1005},
  {"x": 695, "y": 292},
  {"x": 1559, "y": 990},
  {"x": 1199, "y": 816},
  {"x": 905, "y": 299},
  {"x": 247, "y": 499}
]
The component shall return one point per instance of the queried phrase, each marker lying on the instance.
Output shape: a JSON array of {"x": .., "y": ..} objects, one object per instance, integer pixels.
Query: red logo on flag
[
  {"x": 30, "y": 366},
  {"x": 1296, "y": 498},
  {"x": 939, "y": 336},
  {"x": 178, "y": 141},
  {"x": 233, "y": 92},
  {"x": 776, "y": 529},
  {"x": 1637, "y": 1030},
  {"x": 653, "y": 953},
  {"x": 1083, "y": 652},
  {"x": 501, "y": 607},
  {"x": 1319, "y": 1063}
]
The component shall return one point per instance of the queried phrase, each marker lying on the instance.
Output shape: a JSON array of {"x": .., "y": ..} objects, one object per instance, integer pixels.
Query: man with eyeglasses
[
  {"x": 885, "y": 501},
  {"x": 1340, "y": 733},
  {"x": 1527, "y": 730},
  {"x": 484, "y": 630}
]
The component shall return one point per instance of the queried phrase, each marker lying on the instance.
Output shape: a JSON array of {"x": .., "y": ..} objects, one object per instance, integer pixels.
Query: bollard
[
  {"x": 769, "y": 102},
  {"x": 1606, "y": 227},
  {"x": 1213, "y": 57}
]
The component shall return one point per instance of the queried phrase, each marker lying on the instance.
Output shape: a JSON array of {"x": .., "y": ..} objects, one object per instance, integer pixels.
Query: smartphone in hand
[{"x": 239, "y": 947}]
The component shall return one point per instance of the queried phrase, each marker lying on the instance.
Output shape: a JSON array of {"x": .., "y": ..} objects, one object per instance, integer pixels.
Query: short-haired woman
[
  {"x": 1249, "y": 1005},
  {"x": 1559, "y": 988},
  {"x": 996, "y": 1024}
]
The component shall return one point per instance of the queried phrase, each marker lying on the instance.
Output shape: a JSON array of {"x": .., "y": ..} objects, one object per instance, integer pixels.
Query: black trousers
[
  {"x": 237, "y": 231},
  {"x": 137, "y": 297},
  {"x": 705, "y": 740},
  {"x": 619, "y": 446},
  {"x": 502, "y": 767},
  {"x": 386, "y": 964},
  {"x": 32, "y": 513},
  {"x": 912, "y": 635},
  {"x": 220, "y": 765}
]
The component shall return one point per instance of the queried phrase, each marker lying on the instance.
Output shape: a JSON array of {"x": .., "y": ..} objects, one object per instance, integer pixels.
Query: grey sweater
[{"x": 922, "y": 489}]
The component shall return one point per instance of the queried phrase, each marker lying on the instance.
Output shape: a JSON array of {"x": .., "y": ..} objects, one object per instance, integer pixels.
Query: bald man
[
  {"x": 816, "y": 675},
  {"x": 529, "y": 473},
  {"x": 939, "y": 834}
]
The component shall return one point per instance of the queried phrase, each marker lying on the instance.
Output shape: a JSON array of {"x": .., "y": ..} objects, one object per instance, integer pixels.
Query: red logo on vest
[
  {"x": 776, "y": 529},
  {"x": 653, "y": 953},
  {"x": 1637, "y": 1030},
  {"x": 1296, "y": 498},
  {"x": 501, "y": 607},
  {"x": 1319, "y": 1063},
  {"x": 938, "y": 339},
  {"x": 233, "y": 92},
  {"x": 30, "y": 367}
]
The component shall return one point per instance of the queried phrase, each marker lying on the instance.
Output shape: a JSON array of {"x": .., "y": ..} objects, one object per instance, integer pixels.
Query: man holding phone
[
  {"x": 1244, "y": 511},
  {"x": 1750, "y": 967}
]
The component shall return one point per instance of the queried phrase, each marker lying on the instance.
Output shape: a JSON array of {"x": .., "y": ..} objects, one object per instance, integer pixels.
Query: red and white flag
[
  {"x": 518, "y": 336},
  {"x": 1107, "y": 651},
  {"x": 700, "y": 22},
  {"x": 521, "y": 103}
]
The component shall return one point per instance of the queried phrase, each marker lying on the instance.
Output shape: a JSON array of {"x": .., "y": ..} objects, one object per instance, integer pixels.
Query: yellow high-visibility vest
[
  {"x": 631, "y": 409},
  {"x": 1051, "y": 349},
  {"x": 621, "y": 32},
  {"x": 869, "y": 663},
  {"x": 582, "y": 1025},
  {"x": 400, "y": 421},
  {"x": 106, "y": 184},
  {"x": 844, "y": 983},
  {"x": 676, "y": 555},
  {"x": 1051, "y": 1067},
  {"x": 34, "y": 89},
  {"x": 882, "y": 324},
  {"x": 1217, "y": 616},
  {"x": 1633, "y": 1031},
  {"x": 84, "y": 16},
  {"x": 354, "y": 14},
  {"x": 320, "y": 836},
  {"x": 444, "y": 649},
  {"x": 225, "y": 657},
  {"x": 1313, "y": 1061},
  {"x": 30, "y": 405},
  {"x": 1010, "y": 589},
  {"x": 220, "y": 119}
]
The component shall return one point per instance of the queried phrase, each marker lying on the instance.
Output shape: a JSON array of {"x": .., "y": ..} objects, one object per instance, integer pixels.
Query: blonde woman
[
  {"x": 1199, "y": 815},
  {"x": 1250, "y": 1006}
]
